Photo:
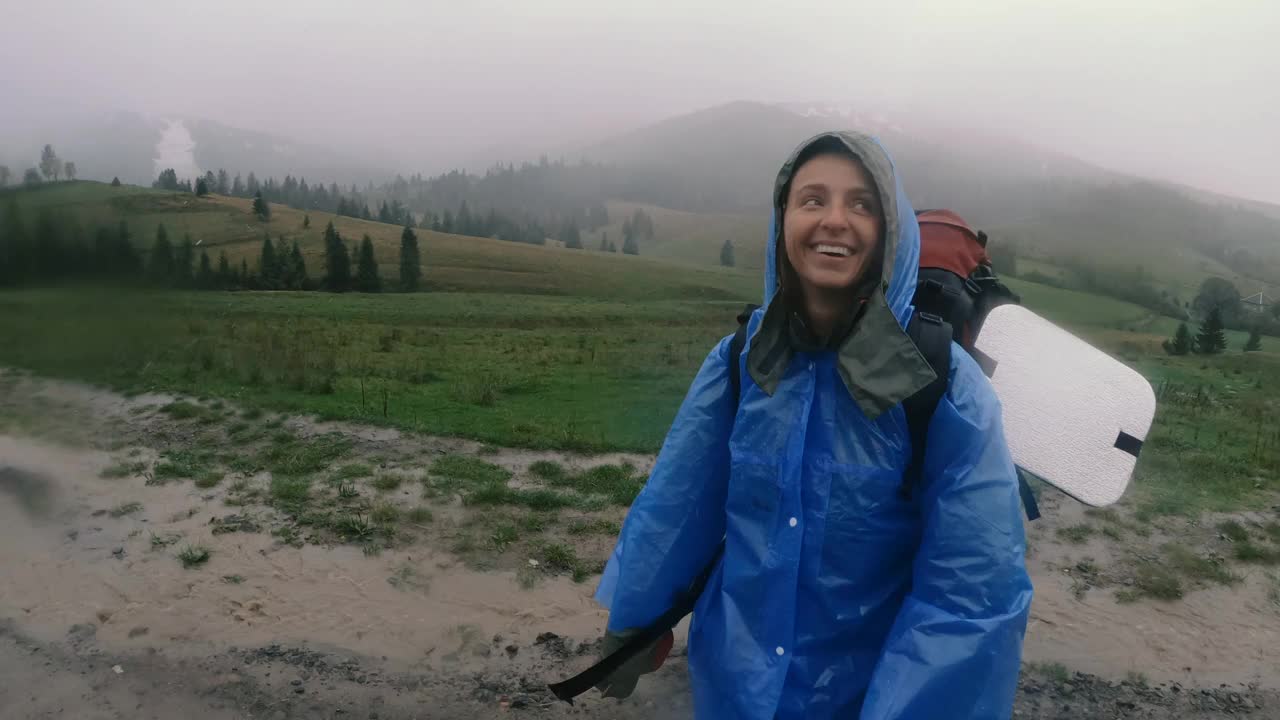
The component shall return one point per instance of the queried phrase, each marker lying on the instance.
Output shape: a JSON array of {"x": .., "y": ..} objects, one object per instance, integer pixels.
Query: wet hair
[{"x": 829, "y": 145}]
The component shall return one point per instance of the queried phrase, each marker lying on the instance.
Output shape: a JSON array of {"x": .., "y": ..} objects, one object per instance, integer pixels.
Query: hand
[{"x": 622, "y": 682}]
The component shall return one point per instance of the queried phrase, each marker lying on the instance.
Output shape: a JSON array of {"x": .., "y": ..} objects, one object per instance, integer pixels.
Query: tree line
[
  {"x": 1218, "y": 304},
  {"x": 464, "y": 218},
  {"x": 54, "y": 250},
  {"x": 51, "y": 169}
]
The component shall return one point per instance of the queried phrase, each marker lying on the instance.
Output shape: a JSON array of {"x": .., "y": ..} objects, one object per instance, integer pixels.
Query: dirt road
[{"x": 99, "y": 619}]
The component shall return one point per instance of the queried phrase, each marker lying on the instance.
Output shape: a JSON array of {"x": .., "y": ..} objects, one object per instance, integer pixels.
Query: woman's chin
[{"x": 827, "y": 282}]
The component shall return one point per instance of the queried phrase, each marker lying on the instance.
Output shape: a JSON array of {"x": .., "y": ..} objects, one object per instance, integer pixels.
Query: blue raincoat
[{"x": 835, "y": 597}]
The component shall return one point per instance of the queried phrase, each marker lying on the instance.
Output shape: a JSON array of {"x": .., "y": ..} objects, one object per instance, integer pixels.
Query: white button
[
  {"x": 793, "y": 522},
  {"x": 779, "y": 650},
  {"x": 810, "y": 367}
]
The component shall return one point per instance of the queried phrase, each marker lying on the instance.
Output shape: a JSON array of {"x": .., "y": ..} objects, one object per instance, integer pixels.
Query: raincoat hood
[{"x": 878, "y": 362}]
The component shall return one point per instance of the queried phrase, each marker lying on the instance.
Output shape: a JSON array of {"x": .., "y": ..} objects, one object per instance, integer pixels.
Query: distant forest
[
  {"x": 1074, "y": 221},
  {"x": 527, "y": 204}
]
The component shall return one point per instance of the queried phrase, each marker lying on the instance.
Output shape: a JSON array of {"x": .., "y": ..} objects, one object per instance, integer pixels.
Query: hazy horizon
[{"x": 1163, "y": 90}]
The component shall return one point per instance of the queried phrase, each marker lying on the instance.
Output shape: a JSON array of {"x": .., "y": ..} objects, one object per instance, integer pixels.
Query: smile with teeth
[{"x": 833, "y": 250}]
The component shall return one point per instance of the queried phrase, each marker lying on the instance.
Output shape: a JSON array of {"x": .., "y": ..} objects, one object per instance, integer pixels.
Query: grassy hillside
[
  {"x": 688, "y": 237},
  {"x": 450, "y": 262},
  {"x": 543, "y": 347}
]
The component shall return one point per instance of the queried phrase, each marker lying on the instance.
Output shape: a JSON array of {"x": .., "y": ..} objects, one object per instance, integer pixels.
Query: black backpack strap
[
  {"x": 1028, "y": 496},
  {"x": 932, "y": 337}
]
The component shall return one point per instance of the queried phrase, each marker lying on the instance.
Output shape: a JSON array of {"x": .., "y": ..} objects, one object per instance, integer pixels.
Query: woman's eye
[{"x": 810, "y": 202}]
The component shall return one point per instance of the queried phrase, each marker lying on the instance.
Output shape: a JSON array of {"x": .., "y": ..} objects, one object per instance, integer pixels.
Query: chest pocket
[{"x": 753, "y": 504}]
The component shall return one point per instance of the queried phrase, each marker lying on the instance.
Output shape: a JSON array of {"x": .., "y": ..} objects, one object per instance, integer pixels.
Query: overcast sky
[{"x": 1181, "y": 90}]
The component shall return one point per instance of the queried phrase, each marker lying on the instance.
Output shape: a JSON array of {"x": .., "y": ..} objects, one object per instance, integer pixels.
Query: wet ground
[{"x": 100, "y": 619}]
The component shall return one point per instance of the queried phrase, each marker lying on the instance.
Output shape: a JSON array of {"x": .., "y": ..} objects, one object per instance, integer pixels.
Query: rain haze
[
  {"x": 1180, "y": 91},
  {"x": 390, "y": 359}
]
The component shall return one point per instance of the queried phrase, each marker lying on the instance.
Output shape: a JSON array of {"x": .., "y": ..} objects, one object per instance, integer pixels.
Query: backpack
[{"x": 955, "y": 290}]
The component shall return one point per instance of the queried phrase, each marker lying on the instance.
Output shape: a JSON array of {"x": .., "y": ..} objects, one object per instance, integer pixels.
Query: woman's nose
[{"x": 836, "y": 217}]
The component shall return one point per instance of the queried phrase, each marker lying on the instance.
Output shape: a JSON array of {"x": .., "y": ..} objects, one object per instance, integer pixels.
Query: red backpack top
[{"x": 956, "y": 282}]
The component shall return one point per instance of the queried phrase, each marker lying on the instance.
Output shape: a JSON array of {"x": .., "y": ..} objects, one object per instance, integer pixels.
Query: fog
[{"x": 1174, "y": 90}]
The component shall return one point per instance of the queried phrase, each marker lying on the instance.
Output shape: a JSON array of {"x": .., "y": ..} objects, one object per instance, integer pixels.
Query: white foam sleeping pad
[{"x": 1073, "y": 415}]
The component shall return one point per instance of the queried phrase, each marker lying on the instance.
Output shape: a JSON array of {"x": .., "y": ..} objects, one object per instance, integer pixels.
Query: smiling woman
[
  {"x": 832, "y": 231},
  {"x": 832, "y": 589}
]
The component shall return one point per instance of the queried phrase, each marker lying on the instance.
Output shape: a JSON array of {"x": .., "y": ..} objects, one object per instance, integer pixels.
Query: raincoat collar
[{"x": 877, "y": 361}]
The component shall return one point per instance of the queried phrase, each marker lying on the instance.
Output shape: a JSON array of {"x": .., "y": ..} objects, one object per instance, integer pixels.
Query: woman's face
[{"x": 832, "y": 223}]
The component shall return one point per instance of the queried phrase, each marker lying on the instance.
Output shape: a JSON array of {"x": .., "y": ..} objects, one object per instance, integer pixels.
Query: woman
[{"x": 836, "y": 596}]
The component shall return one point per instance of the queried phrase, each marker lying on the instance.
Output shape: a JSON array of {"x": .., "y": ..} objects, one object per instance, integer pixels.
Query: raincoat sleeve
[
  {"x": 676, "y": 523},
  {"x": 955, "y": 648}
]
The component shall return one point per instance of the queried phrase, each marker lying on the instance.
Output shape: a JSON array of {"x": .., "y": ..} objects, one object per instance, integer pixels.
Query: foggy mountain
[
  {"x": 724, "y": 158},
  {"x": 717, "y": 160}
]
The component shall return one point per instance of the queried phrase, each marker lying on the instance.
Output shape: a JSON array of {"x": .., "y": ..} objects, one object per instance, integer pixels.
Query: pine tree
[
  {"x": 641, "y": 225},
  {"x": 204, "y": 277},
  {"x": 243, "y": 279},
  {"x": 260, "y": 206},
  {"x": 284, "y": 267},
  {"x": 237, "y": 186},
  {"x": 462, "y": 225},
  {"x": 202, "y": 188},
  {"x": 447, "y": 224},
  {"x": 570, "y": 236},
  {"x": 167, "y": 180},
  {"x": 115, "y": 181},
  {"x": 1211, "y": 339},
  {"x": 298, "y": 268},
  {"x": 1254, "y": 343},
  {"x": 410, "y": 260},
  {"x": 337, "y": 263},
  {"x": 102, "y": 259},
  {"x": 726, "y": 253},
  {"x": 604, "y": 242},
  {"x": 306, "y": 221},
  {"x": 127, "y": 260},
  {"x": 367, "y": 268},
  {"x": 223, "y": 186},
  {"x": 1181, "y": 342},
  {"x": 161, "y": 265},
  {"x": 182, "y": 261},
  {"x": 268, "y": 273},
  {"x": 224, "y": 277},
  {"x": 629, "y": 245}
]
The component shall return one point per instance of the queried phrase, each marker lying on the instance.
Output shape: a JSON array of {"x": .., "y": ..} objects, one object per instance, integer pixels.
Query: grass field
[
  {"x": 516, "y": 370},
  {"x": 545, "y": 347}
]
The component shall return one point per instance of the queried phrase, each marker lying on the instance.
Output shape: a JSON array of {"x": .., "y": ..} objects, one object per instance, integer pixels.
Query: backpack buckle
[
  {"x": 931, "y": 318},
  {"x": 972, "y": 286}
]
